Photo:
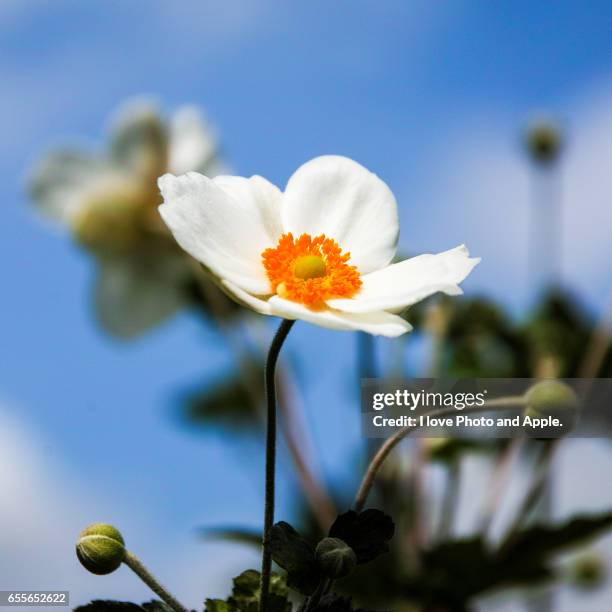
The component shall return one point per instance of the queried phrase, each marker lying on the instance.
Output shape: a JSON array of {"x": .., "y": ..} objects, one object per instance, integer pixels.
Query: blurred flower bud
[
  {"x": 544, "y": 141},
  {"x": 100, "y": 548},
  {"x": 113, "y": 219},
  {"x": 437, "y": 318},
  {"x": 549, "y": 396},
  {"x": 335, "y": 557},
  {"x": 588, "y": 571}
]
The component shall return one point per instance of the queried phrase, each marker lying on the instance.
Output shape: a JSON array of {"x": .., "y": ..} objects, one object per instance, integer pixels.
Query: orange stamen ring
[{"x": 310, "y": 270}]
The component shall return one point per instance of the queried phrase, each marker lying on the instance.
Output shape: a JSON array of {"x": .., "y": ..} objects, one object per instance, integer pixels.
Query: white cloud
[
  {"x": 479, "y": 193},
  {"x": 44, "y": 506}
]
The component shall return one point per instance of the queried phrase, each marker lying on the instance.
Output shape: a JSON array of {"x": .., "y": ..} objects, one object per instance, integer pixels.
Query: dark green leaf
[
  {"x": 452, "y": 449},
  {"x": 237, "y": 534},
  {"x": 335, "y": 603},
  {"x": 245, "y": 595},
  {"x": 156, "y": 606},
  {"x": 232, "y": 402},
  {"x": 366, "y": 532},
  {"x": 540, "y": 541},
  {"x": 453, "y": 573},
  {"x": 296, "y": 556},
  {"x": 246, "y": 585},
  {"x": 102, "y": 605},
  {"x": 107, "y": 605},
  {"x": 218, "y": 605}
]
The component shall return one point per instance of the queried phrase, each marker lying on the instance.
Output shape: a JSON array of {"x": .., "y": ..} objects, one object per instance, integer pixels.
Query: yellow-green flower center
[{"x": 309, "y": 266}]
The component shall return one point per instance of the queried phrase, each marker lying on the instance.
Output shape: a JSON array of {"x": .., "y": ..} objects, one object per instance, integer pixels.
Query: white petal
[
  {"x": 225, "y": 223},
  {"x": 63, "y": 181},
  {"x": 192, "y": 144},
  {"x": 338, "y": 197},
  {"x": 377, "y": 323},
  {"x": 139, "y": 139},
  {"x": 238, "y": 294},
  {"x": 136, "y": 292},
  {"x": 403, "y": 284}
]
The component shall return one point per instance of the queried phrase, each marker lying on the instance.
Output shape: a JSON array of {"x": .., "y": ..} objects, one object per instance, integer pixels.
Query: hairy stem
[
  {"x": 498, "y": 481},
  {"x": 535, "y": 489},
  {"x": 145, "y": 575},
  {"x": 502, "y": 403},
  {"x": 270, "y": 371}
]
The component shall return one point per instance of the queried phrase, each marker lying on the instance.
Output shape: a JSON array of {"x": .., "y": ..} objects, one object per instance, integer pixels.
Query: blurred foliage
[
  {"x": 232, "y": 534},
  {"x": 366, "y": 533},
  {"x": 234, "y": 402},
  {"x": 103, "y": 605},
  {"x": 481, "y": 340},
  {"x": 451, "y": 574},
  {"x": 476, "y": 338},
  {"x": 245, "y": 595}
]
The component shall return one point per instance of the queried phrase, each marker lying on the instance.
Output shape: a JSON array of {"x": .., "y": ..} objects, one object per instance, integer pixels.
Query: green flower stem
[
  {"x": 324, "y": 587},
  {"x": 270, "y": 371},
  {"x": 145, "y": 575},
  {"x": 498, "y": 480},
  {"x": 501, "y": 403},
  {"x": 450, "y": 499},
  {"x": 534, "y": 492}
]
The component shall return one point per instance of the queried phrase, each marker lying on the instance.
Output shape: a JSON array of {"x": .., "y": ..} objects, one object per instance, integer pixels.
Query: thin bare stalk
[
  {"x": 598, "y": 344},
  {"x": 498, "y": 481},
  {"x": 270, "y": 487},
  {"x": 449, "y": 501},
  {"x": 537, "y": 486},
  {"x": 502, "y": 403},
  {"x": 147, "y": 577}
]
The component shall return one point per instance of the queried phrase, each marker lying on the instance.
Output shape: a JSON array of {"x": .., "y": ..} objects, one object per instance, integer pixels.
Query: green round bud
[
  {"x": 549, "y": 396},
  {"x": 100, "y": 548},
  {"x": 588, "y": 571},
  {"x": 544, "y": 141},
  {"x": 335, "y": 557}
]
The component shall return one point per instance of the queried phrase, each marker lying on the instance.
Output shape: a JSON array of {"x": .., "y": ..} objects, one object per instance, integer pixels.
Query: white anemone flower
[
  {"x": 109, "y": 202},
  {"x": 320, "y": 251}
]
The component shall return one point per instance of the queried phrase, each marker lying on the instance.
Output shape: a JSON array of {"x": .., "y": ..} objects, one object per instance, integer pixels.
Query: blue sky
[{"x": 431, "y": 96}]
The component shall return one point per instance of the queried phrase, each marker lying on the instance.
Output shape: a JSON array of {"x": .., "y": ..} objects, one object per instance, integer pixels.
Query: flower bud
[
  {"x": 112, "y": 217},
  {"x": 335, "y": 557},
  {"x": 588, "y": 571},
  {"x": 549, "y": 396},
  {"x": 100, "y": 548},
  {"x": 544, "y": 141}
]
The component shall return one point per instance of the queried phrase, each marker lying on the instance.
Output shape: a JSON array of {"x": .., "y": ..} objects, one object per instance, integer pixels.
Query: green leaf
[
  {"x": 107, "y": 605},
  {"x": 540, "y": 541},
  {"x": 450, "y": 450},
  {"x": 245, "y": 595},
  {"x": 335, "y": 603},
  {"x": 156, "y": 606},
  {"x": 296, "y": 556},
  {"x": 246, "y": 585},
  {"x": 233, "y": 402},
  {"x": 218, "y": 605},
  {"x": 241, "y": 535},
  {"x": 366, "y": 532},
  {"x": 453, "y": 573}
]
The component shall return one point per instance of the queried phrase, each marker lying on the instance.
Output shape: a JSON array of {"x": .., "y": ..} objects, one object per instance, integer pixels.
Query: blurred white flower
[
  {"x": 321, "y": 251},
  {"x": 109, "y": 202}
]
